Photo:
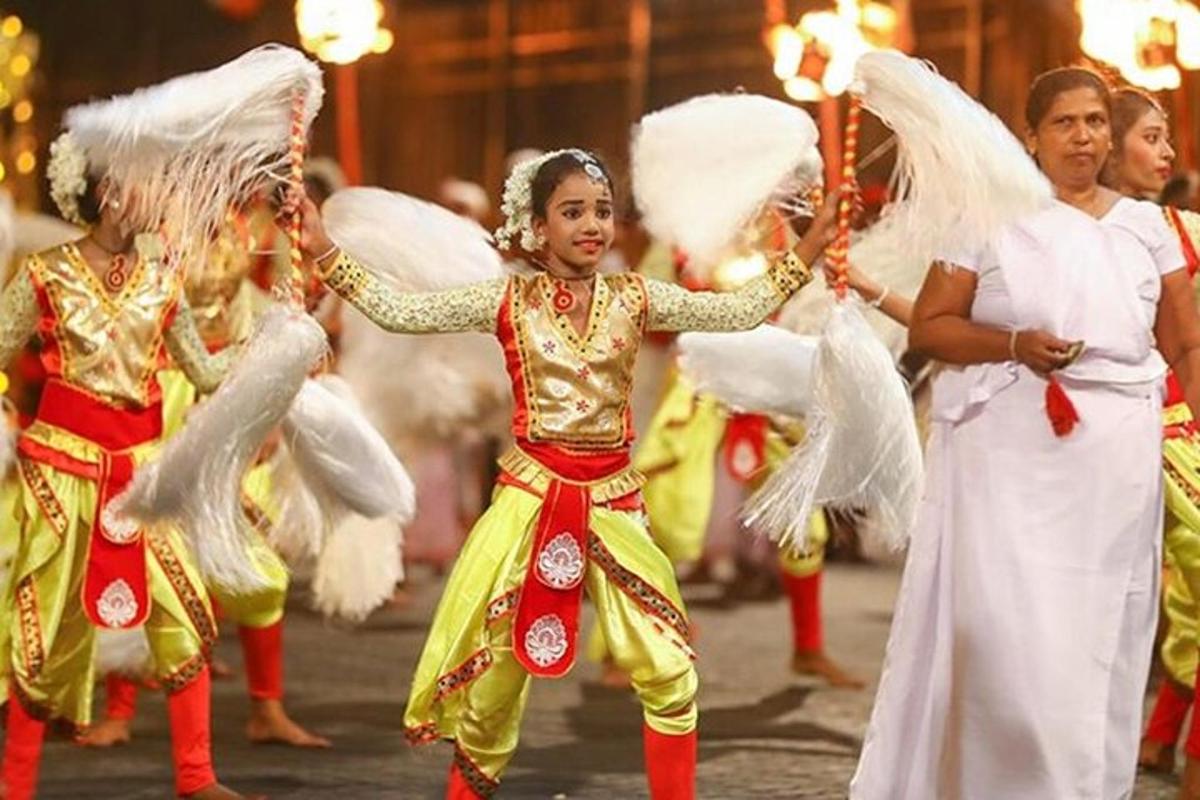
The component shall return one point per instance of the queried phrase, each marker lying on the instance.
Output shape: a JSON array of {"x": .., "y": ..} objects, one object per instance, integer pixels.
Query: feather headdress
[{"x": 177, "y": 156}]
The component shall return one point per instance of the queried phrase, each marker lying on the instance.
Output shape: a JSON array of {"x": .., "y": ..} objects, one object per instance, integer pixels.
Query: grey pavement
[{"x": 764, "y": 732}]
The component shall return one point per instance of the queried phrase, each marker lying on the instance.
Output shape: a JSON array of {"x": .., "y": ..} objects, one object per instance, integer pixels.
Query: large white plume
[
  {"x": 705, "y": 168},
  {"x": 412, "y": 244},
  {"x": 186, "y": 151},
  {"x": 123, "y": 652},
  {"x": 429, "y": 385},
  {"x": 342, "y": 458},
  {"x": 861, "y": 450},
  {"x": 766, "y": 370},
  {"x": 196, "y": 481},
  {"x": 358, "y": 568},
  {"x": 960, "y": 173}
]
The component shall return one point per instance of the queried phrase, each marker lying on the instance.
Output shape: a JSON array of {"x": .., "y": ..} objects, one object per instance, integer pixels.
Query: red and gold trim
[
  {"x": 647, "y": 598},
  {"x": 464, "y": 674},
  {"x": 33, "y": 648},
  {"x": 475, "y": 777},
  {"x": 197, "y": 607},
  {"x": 43, "y": 493},
  {"x": 187, "y": 672},
  {"x": 426, "y": 733},
  {"x": 503, "y": 606},
  {"x": 1175, "y": 220}
]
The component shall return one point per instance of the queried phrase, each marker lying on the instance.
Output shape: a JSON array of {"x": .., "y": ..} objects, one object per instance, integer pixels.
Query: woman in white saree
[{"x": 1022, "y": 636}]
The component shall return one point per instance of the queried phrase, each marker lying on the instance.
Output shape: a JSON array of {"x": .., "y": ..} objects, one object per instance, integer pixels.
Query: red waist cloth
[
  {"x": 546, "y": 627},
  {"x": 89, "y": 417},
  {"x": 115, "y": 591}
]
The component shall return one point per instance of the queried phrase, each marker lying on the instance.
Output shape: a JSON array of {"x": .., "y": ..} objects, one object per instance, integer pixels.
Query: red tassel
[{"x": 1060, "y": 409}]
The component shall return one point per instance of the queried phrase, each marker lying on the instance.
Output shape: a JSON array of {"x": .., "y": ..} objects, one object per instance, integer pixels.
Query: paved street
[{"x": 764, "y": 734}]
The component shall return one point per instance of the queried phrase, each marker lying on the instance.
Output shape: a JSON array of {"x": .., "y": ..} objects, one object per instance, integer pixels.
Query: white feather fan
[
  {"x": 415, "y": 245},
  {"x": 703, "y": 169},
  {"x": 196, "y": 480},
  {"x": 301, "y": 526},
  {"x": 766, "y": 370},
  {"x": 341, "y": 458},
  {"x": 960, "y": 173},
  {"x": 187, "y": 150},
  {"x": 426, "y": 386},
  {"x": 358, "y": 568},
  {"x": 861, "y": 450},
  {"x": 123, "y": 652}
]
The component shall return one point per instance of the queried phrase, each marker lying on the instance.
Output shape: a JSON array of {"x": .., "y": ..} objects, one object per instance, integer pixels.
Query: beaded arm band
[
  {"x": 789, "y": 274},
  {"x": 342, "y": 274}
]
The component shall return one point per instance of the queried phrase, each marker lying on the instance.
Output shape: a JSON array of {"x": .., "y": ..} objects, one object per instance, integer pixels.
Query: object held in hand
[{"x": 1074, "y": 351}]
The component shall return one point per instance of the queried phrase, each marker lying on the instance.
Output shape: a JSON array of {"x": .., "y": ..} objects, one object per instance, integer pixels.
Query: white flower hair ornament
[
  {"x": 67, "y": 172},
  {"x": 517, "y": 203}
]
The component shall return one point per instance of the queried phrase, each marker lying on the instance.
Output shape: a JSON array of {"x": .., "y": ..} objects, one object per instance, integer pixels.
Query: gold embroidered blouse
[
  {"x": 109, "y": 344},
  {"x": 570, "y": 388}
]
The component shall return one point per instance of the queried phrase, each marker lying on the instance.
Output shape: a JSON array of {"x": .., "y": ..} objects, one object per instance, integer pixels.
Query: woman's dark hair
[
  {"x": 557, "y": 169},
  {"x": 1049, "y": 85},
  {"x": 89, "y": 201}
]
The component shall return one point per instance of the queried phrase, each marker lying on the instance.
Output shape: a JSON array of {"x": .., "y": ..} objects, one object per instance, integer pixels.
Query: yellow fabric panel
[{"x": 467, "y": 685}]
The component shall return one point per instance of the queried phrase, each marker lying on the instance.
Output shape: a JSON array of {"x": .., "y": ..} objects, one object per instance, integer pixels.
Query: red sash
[
  {"x": 115, "y": 589},
  {"x": 745, "y": 446},
  {"x": 546, "y": 628}
]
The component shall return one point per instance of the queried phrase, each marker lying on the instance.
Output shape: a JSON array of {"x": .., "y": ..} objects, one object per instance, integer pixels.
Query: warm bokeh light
[
  {"x": 838, "y": 36},
  {"x": 23, "y": 111},
  {"x": 1146, "y": 40},
  {"x": 737, "y": 272},
  {"x": 803, "y": 90},
  {"x": 12, "y": 27},
  {"x": 26, "y": 161},
  {"x": 342, "y": 31},
  {"x": 789, "y": 50}
]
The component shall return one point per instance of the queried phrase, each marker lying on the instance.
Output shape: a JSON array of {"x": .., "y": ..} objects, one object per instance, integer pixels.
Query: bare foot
[
  {"x": 1156, "y": 757},
  {"x": 219, "y": 792},
  {"x": 1189, "y": 783},
  {"x": 220, "y": 669},
  {"x": 614, "y": 677},
  {"x": 269, "y": 723},
  {"x": 107, "y": 733},
  {"x": 818, "y": 664}
]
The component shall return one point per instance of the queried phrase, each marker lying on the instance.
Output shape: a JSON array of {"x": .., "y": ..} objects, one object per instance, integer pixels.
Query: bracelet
[
  {"x": 878, "y": 301},
  {"x": 332, "y": 249},
  {"x": 1012, "y": 344}
]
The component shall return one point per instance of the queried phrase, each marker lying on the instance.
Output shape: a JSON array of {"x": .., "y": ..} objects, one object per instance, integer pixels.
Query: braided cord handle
[
  {"x": 839, "y": 253},
  {"x": 296, "y": 148}
]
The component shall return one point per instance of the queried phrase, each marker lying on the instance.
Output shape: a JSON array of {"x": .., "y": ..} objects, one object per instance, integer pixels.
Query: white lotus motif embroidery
[
  {"x": 546, "y": 640},
  {"x": 118, "y": 527},
  {"x": 117, "y": 605},
  {"x": 560, "y": 563}
]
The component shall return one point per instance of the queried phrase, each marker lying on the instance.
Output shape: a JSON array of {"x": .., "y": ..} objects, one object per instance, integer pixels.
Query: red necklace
[
  {"x": 563, "y": 298},
  {"x": 117, "y": 275}
]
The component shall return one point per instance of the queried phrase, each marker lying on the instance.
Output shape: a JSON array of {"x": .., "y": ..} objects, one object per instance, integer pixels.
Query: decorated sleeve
[
  {"x": 468, "y": 308},
  {"x": 673, "y": 308},
  {"x": 18, "y": 316},
  {"x": 205, "y": 370}
]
